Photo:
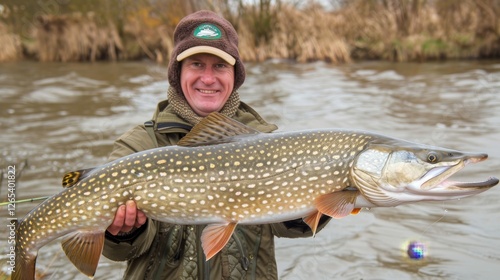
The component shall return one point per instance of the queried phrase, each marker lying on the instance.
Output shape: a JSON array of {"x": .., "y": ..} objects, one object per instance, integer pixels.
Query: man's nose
[{"x": 208, "y": 76}]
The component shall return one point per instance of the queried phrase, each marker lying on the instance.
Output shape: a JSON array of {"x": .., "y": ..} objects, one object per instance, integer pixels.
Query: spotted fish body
[{"x": 221, "y": 174}]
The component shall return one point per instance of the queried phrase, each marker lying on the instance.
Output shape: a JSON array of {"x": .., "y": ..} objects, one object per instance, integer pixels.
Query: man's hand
[{"x": 127, "y": 217}]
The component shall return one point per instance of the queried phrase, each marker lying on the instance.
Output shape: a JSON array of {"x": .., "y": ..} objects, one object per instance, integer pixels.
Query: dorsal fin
[
  {"x": 71, "y": 178},
  {"x": 215, "y": 129}
]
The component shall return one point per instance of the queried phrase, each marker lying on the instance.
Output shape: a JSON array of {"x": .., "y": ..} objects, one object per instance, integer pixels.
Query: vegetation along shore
[{"x": 396, "y": 30}]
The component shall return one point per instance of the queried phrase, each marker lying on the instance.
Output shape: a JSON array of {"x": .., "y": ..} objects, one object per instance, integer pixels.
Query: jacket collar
[{"x": 166, "y": 121}]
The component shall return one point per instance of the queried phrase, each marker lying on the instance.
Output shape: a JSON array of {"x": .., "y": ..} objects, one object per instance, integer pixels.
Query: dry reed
[
  {"x": 75, "y": 37},
  {"x": 403, "y": 30},
  {"x": 10, "y": 45},
  {"x": 301, "y": 35},
  {"x": 397, "y": 30}
]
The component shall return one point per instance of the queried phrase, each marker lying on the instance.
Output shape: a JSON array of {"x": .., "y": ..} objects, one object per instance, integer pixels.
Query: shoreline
[{"x": 390, "y": 30}]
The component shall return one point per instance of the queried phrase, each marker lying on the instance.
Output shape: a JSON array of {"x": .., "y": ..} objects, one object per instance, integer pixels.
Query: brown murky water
[{"x": 62, "y": 117}]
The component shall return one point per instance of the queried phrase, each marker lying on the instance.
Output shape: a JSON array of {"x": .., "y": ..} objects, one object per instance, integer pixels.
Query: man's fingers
[
  {"x": 130, "y": 215},
  {"x": 126, "y": 218},
  {"x": 117, "y": 224},
  {"x": 141, "y": 219}
]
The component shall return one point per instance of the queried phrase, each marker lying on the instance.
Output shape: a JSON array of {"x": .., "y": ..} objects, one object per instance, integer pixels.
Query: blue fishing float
[{"x": 416, "y": 250}]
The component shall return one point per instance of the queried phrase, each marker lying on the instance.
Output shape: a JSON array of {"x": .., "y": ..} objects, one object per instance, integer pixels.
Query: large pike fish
[{"x": 224, "y": 173}]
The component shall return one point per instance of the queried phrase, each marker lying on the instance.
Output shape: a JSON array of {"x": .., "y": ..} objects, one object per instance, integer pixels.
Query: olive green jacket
[{"x": 164, "y": 251}]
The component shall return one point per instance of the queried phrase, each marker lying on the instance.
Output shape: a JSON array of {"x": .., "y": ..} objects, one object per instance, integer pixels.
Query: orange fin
[
  {"x": 215, "y": 129},
  {"x": 71, "y": 178},
  {"x": 355, "y": 211},
  {"x": 84, "y": 249},
  {"x": 337, "y": 204},
  {"x": 214, "y": 237},
  {"x": 313, "y": 220}
]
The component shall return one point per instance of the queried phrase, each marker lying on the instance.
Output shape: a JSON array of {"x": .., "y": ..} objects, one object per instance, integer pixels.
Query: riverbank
[{"x": 395, "y": 30}]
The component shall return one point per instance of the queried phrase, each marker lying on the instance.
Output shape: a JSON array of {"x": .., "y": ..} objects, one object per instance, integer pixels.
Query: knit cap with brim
[{"x": 205, "y": 32}]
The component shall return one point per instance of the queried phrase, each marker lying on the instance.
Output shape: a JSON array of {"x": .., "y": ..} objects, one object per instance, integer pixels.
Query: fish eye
[{"x": 432, "y": 158}]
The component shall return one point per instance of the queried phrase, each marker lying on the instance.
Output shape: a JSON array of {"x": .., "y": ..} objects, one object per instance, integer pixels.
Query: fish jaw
[
  {"x": 392, "y": 174},
  {"x": 436, "y": 182}
]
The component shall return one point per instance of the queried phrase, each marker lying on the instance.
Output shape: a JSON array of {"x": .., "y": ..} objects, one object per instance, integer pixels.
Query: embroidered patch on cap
[{"x": 207, "y": 31}]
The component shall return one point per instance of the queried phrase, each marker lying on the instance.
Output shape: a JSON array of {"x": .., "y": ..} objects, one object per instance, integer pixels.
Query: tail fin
[
  {"x": 23, "y": 269},
  {"x": 24, "y": 266}
]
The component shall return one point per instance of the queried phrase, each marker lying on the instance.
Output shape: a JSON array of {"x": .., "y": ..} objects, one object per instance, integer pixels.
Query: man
[{"x": 204, "y": 73}]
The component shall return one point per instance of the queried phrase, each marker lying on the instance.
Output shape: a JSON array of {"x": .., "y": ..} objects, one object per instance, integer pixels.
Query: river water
[{"x": 62, "y": 117}]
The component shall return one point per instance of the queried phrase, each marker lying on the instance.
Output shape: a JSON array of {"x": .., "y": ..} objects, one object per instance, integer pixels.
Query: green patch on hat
[{"x": 207, "y": 31}]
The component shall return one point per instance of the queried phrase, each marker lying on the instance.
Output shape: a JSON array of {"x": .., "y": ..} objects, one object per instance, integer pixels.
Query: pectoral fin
[
  {"x": 313, "y": 220},
  {"x": 214, "y": 237},
  {"x": 84, "y": 249},
  {"x": 337, "y": 204}
]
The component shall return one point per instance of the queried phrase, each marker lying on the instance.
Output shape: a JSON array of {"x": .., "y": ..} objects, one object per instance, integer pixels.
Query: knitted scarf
[{"x": 182, "y": 109}]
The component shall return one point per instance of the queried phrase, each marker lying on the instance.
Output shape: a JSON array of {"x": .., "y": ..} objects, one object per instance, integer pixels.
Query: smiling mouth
[{"x": 206, "y": 91}]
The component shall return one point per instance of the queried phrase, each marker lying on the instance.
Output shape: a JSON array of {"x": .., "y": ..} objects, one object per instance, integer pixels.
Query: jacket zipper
[
  {"x": 167, "y": 246},
  {"x": 254, "y": 254},
  {"x": 203, "y": 265},
  {"x": 245, "y": 263}
]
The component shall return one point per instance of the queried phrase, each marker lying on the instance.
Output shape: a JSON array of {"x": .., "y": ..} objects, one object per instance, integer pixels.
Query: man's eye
[{"x": 221, "y": 65}]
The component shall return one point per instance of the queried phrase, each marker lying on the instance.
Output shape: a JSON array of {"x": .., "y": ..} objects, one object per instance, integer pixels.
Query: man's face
[{"x": 207, "y": 81}]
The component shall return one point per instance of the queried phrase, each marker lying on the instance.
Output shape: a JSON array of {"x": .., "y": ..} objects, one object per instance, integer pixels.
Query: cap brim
[{"x": 207, "y": 49}]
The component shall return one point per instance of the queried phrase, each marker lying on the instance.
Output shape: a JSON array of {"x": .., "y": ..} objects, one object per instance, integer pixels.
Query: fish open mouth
[
  {"x": 492, "y": 181},
  {"x": 437, "y": 179}
]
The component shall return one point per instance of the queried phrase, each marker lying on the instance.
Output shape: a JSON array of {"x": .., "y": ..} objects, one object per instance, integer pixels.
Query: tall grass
[
  {"x": 75, "y": 38},
  {"x": 10, "y": 44},
  {"x": 397, "y": 30},
  {"x": 299, "y": 34},
  {"x": 402, "y": 30}
]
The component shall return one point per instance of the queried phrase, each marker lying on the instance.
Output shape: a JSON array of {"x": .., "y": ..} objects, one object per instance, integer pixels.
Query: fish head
[{"x": 397, "y": 172}]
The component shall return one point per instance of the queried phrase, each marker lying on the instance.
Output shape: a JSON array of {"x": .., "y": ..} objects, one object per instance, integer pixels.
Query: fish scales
[
  {"x": 241, "y": 177},
  {"x": 246, "y": 182}
]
